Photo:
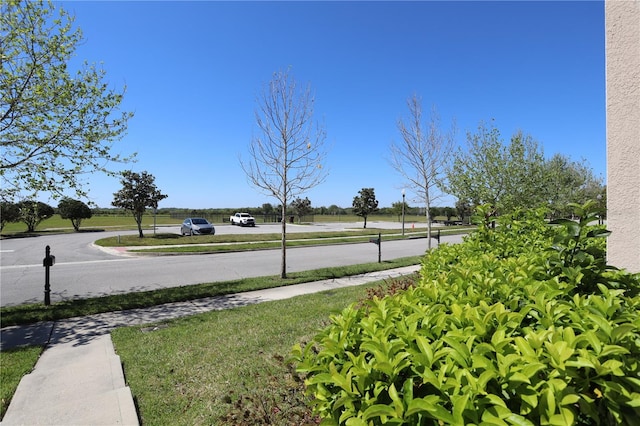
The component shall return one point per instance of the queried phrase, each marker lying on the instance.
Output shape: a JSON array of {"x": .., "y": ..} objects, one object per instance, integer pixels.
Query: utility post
[
  {"x": 155, "y": 213},
  {"x": 403, "y": 211}
]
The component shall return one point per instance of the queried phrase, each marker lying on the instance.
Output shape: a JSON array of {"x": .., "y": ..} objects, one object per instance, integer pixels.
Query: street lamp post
[
  {"x": 403, "y": 212},
  {"x": 155, "y": 212}
]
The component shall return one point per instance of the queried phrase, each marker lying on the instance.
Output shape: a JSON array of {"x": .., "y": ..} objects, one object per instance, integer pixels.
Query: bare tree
[
  {"x": 422, "y": 155},
  {"x": 287, "y": 155}
]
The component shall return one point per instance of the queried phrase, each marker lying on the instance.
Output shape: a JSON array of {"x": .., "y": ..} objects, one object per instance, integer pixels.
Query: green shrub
[{"x": 523, "y": 324}]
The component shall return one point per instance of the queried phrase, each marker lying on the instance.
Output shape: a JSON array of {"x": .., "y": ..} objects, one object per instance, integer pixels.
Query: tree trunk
[
  {"x": 283, "y": 263},
  {"x": 428, "y": 228},
  {"x": 138, "y": 218}
]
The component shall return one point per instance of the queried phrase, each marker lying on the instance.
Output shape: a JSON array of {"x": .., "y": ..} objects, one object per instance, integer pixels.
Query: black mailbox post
[
  {"x": 47, "y": 262},
  {"x": 378, "y": 242}
]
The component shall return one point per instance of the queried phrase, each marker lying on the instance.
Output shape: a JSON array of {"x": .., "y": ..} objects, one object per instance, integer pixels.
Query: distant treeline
[{"x": 271, "y": 211}]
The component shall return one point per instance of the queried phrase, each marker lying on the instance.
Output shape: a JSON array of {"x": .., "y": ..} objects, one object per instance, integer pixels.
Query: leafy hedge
[{"x": 524, "y": 324}]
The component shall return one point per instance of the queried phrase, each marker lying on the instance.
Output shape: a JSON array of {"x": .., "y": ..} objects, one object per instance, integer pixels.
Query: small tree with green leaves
[
  {"x": 9, "y": 212},
  {"x": 301, "y": 206},
  {"x": 570, "y": 182},
  {"x": 508, "y": 175},
  {"x": 365, "y": 203},
  {"x": 32, "y": 213},
  {"x": 55, "y": 123},
  {"x": 75, "y": 211},
  {"x": 138, "y": 192}
]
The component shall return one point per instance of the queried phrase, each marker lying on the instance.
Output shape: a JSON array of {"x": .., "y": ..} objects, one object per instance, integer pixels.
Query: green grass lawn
[
  {"x": 173, "y": 243},
  {"x": 15, "y": 364},
  {"x": 219, "y": 367},
  {"x": 175, "y": 239},
  {"x": 111, "y": 222}
]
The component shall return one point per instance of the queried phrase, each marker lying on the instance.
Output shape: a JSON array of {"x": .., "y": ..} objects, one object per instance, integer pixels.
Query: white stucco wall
[{"x": 622, "y": 22}]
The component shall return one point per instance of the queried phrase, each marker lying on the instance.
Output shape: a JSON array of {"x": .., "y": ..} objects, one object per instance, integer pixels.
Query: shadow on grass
[
  {"x": 36, "y": 312},
  {"x": 165, "y": 237},
  {"x": 24, "y": 234},
  {"x": 27, "y": 234}
]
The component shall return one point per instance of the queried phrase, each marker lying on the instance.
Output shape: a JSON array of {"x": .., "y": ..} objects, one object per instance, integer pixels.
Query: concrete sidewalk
[{"x": 79, "y": 380}]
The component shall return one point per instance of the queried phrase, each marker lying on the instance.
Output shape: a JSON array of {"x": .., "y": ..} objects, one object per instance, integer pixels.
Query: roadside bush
[{"x": 524, "y": 324}]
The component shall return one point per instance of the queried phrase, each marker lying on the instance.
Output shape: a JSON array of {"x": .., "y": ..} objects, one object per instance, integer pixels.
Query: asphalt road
[{"x": 83, "y": 270}]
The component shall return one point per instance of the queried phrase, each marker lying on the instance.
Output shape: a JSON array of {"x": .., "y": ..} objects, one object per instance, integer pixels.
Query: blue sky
[{"x": 193, "y": 71}]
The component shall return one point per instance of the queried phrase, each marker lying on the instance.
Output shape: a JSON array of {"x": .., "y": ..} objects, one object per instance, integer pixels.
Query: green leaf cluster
[
  {"x": 578, "y": 253},
  {"x": 512, "y": 327},
  {"x": 34, "y": 212},
  {"x": 9, "y": 212},
  {"x": 138, "y": 192},
  {"x": 514, "y": 173},
  {"x": 57, "y": 121}
]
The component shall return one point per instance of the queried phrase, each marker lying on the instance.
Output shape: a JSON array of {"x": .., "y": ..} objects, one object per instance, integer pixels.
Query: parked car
[
  {"x": 197, "y": 226},
  {"x": 242, "y": 219}
]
